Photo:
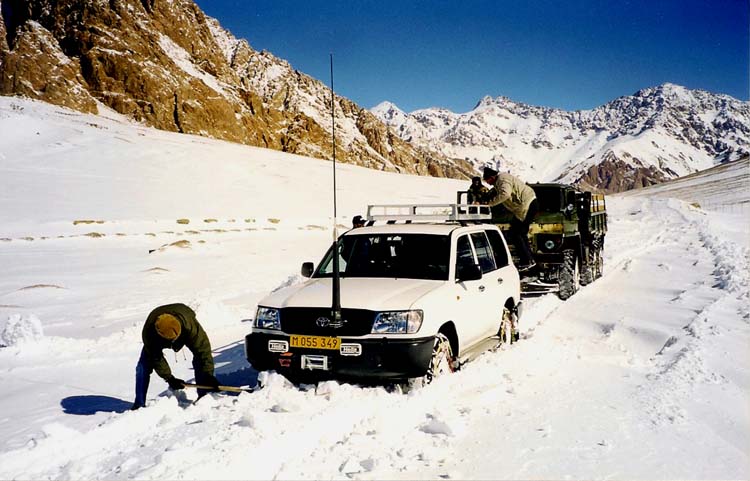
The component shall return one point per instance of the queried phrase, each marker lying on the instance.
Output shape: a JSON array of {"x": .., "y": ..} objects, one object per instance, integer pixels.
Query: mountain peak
[
  {"x": 389, "y": 111},
  {"x": 488, "y": 101},
  {"x": 386, "y": 106}
]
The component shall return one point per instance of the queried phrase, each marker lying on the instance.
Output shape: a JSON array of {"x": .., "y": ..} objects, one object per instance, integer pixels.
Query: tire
[
  {"x": 509, "y": 322},
  {"x": 588, "y": 269},
  {"x": 598, "y": 265},
  {"x": 569, "y": 279},
  {"x": 442, "y": 362}
]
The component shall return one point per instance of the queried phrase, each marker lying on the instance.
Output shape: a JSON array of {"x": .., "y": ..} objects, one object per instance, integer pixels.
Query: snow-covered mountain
[
  {"x": 651, "y": 136},
  {"x": 167, "y": 64}
]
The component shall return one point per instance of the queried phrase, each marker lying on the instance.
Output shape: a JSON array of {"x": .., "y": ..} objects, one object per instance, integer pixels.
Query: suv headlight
[
  {"x": 267, "y": 318},
  {"x": 397, "y": 322}
]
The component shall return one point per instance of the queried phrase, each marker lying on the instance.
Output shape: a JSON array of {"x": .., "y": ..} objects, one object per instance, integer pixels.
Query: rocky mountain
[
  {"x": 168, "y": 65},
  {"x": 653, "y": 135}
]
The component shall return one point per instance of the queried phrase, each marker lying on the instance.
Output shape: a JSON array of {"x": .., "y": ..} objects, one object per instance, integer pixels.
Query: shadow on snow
[{"x": 92, "y": 404}]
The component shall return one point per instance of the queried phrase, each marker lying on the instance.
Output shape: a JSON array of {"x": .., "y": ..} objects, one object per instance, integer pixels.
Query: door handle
[
  {"x": 481, "y": 288},
  {"x": 499, "y": 280}
]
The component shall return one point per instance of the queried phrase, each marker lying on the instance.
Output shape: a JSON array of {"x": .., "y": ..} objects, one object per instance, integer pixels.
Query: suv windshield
[{"x": 410, "y": 256}]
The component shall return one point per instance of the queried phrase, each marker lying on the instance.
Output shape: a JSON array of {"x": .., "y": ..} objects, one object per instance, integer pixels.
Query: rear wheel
[
  {"x": 598, "y": 264},
  {"x": 569, "y": 280},
  {"x": 508, "y": 324},
  {"x": 588, "y": 269},
  {"x": 442, "y": 362}
]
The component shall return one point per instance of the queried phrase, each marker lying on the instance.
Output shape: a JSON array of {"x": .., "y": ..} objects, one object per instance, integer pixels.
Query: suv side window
[
  {"x": 498, "y": 248},
  {"x": 463, "y": 251},
  {"x": 484, "y": 252}
]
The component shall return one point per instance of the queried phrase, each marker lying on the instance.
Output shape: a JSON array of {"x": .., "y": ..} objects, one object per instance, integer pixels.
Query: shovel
[{"x": 221, "y": 388}]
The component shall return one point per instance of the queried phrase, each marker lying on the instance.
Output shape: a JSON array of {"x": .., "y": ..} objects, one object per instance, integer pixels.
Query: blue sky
[{"x": 573, "y": 55}]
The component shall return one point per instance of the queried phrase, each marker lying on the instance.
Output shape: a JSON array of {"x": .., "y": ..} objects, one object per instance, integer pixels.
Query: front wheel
[
  {"x": 569, "y": 280},
  {"x": 442, "y": 362}
]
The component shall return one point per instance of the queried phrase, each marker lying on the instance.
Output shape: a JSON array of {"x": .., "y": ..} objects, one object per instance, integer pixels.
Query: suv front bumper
[{"x": 384, "y": 358}]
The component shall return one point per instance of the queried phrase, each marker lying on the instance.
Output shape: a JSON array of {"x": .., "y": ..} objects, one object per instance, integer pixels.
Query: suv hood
[{"x": 374, "y": 294}]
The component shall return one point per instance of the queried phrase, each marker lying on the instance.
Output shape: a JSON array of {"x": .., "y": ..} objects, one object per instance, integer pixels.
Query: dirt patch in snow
[
  {"x": 41, "y": 286},
  {"x": 157, "y": 270}
]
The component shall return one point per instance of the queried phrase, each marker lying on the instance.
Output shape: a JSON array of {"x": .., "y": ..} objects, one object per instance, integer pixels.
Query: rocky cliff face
[
  {"x": 651, "y": 136},
  {"x": 165, "y": 63}
]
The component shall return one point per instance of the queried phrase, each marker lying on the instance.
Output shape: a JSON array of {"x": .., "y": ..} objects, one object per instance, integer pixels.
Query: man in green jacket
[
  {"x": 173, "y": 326},
  {"x": 520, "y": 200}
]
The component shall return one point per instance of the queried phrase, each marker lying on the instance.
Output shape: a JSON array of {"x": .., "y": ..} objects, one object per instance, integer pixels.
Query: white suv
[{"x": 417, "y": 300}]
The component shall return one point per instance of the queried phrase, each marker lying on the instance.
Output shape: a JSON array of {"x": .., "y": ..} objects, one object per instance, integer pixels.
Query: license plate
[{"x": 315, "y": 342}]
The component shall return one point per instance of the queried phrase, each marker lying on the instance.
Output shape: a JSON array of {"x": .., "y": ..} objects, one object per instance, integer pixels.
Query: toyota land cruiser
[{"x": 417, "y": 300}]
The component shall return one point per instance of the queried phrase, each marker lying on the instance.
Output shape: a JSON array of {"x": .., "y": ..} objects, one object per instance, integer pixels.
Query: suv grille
[{"x": 303, "y": 320}]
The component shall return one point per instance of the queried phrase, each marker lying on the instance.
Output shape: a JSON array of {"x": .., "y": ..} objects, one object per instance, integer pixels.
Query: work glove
[
  {"x": 175, "y": 384},
  {"x": 211, "y": 380}
]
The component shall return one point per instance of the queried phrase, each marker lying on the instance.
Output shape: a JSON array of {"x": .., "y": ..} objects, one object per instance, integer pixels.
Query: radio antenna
[{"x": 336, "y": 285}]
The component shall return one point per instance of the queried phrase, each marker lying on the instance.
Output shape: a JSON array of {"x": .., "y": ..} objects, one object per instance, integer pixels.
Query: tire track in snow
[{"x": 681, "y": 363}]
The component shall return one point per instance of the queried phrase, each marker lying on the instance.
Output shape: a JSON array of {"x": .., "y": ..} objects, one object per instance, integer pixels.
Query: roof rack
[{"x": 392, "y": 213}]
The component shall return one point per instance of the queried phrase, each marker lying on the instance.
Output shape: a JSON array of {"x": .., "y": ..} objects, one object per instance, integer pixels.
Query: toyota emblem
[{"x": 326, "y": 322}]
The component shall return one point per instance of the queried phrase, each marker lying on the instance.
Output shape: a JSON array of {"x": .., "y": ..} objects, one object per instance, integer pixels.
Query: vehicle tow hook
[{"x": 285, "y": 362}]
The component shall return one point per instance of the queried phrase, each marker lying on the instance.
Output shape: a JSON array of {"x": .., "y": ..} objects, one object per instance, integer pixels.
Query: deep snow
[{"x": 644, "y": 374}]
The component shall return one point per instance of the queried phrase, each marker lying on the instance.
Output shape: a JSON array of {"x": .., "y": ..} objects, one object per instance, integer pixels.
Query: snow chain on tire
[
  {"x": 441, "y": 351},
  {"x": 509, "y": 323}
]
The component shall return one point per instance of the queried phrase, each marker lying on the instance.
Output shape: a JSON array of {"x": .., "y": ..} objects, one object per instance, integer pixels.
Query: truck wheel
[
  {"x": 569, "y": 280},
  {"x": 588, "y": 269},
  {"x": 442, "y": 362},
  {"x": 598, "y": 264},
  {"x": 509, "y": 323}
]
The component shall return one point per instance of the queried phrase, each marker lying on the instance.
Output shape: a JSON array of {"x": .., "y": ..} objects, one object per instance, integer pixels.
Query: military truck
[{"x": 566, "y": 238}]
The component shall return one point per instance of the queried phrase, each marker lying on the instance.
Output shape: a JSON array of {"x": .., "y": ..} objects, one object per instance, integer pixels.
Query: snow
[
  {"x": 725, "y": 188},
  {"x": 644, "y": 374},
  {"x": 182, "y": 59},
  {"x": 19, "y": 329},
  {"x": 225, "y": 40}
]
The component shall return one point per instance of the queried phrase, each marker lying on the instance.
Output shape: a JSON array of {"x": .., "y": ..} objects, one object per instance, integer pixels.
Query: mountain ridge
[{"x": 658, "y": 133}]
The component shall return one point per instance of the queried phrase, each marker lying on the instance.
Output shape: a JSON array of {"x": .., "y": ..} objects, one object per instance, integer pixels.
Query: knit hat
[
  {"x": 168, "y": 327},
  {"x": 488, "y": 172}
]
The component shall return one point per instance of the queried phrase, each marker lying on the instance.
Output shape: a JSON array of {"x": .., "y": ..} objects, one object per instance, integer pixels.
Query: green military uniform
[
  {"x": 192, "y": 335},
  {"x": 173, "y": 326}
]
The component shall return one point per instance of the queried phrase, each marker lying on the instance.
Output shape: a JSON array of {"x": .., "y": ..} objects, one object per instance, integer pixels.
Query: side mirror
[
  {"x": 468, "y": 272},
  {"x": 307, "y": 269}
]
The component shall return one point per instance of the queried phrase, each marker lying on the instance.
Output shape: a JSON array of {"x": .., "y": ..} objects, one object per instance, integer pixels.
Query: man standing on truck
[
  {"x": 173, "y": 326},
  {"x": 520, "y": 200}
]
